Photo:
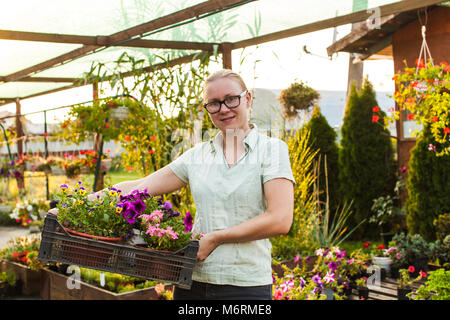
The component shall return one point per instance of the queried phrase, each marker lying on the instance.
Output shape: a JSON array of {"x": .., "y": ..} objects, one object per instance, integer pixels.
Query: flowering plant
[
  {"x": 42, "y": 164},
  {"x": 29, "y": 211},
  {"x": 98, "y": 217},
  {"x": 74, "y": 165},
  {"x": 164, "y": 229},
  {"x": 296, "y": 286},
  {"x": 379, "y": 250},
  {"x": 405, "y": 280},
  {"x": 23, "y": 250},
  {"x": 362, "y": 282},
  {"x": 423, "y": 92},
  {"x": 7, "y": 169}
]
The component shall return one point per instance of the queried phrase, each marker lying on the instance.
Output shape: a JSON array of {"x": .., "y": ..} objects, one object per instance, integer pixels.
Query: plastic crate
[{"x": 57, "y": 245}]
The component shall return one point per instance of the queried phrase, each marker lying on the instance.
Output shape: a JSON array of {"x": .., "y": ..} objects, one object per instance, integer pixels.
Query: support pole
[
  {"x": 20, "y": 178},
  {"x": 98, "y": 148},
  {"x": 46, "y": 154},
  {"x": 227, "y": 62}
]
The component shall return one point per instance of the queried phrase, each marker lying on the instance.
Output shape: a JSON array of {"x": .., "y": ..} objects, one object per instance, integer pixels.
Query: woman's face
[{"x": 236, "y": 118}]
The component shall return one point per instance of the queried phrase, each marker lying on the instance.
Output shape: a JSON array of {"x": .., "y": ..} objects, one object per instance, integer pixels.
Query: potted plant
[
  {"x": 436, "y": 287},
  {"x": 441, "y": 253},
  {"x": 298, "y": 96},
  {"x": 415, "y": 249},
  {"x": 387, "y": 213},
  {"x": 381, "y": 259},
  {"x": 397, "y": 261},
  {"x": 28, "y": 211},
  {"x": 98, "y": 219},
  {"x": 423, "y": 93},
  {"x": 20, "y": 256},
  {"x": 363, "y": 290},
  {"x": 405, "y": 282},
  {"x": 7, "y": 284}
]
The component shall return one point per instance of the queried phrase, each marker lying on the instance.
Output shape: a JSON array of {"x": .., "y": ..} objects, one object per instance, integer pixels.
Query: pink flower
[
  {"x": 278, "y": 294},
  {"x": 329, "y": 277},
  {"x": 297, "y": 257},
  {"x": 159, "y": 289},
  {"x": 398, "y": 256},
  {"x": 287, "y": 285}
]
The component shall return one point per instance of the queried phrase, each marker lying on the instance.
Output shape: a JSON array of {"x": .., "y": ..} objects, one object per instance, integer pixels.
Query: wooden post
[
  {"x": 19, "y": 135},
  {"x": 97, "y": 144},
  {"x": 227, "y": 62},
  {"x": 355, "y": 70}
]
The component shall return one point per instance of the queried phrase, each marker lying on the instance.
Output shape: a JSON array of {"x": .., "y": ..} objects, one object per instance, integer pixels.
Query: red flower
[
  {"x": 420, "y": 63},
  {"x": 152, "y": 138},
  {"x": 45, "y": 134},
  {"x": 376, "y": 109},
  {"x": 409, "y": 100},
  {"x": 410, "y": 116},
  {"x": 381, "y": 246},
  {"x": 446, "y": 130},
  {"x": 423, "y": 274},
  {"x": 127, "y": 138},
  {"x": 151, "y": 151},
  {"x": 411, "y": 269},
  {"x": 434, "y": 119},
  {"x": 107, "y": 125},
  {"x": 111, "y": 103},
  {"x": 375, "y": 118},
  {"x": 366, "y": 244}
]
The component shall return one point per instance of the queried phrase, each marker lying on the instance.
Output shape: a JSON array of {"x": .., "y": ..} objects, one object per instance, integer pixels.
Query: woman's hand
[
  {"x": 53, "y": 211},
  {"x": 207, "y": 244}
]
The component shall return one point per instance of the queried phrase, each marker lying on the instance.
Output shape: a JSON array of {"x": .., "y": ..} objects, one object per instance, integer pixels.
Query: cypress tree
[
  {"x": 366, "y": 158},
  {"x": 428, "y": 187},
  {"x": 323, "y": 138}
]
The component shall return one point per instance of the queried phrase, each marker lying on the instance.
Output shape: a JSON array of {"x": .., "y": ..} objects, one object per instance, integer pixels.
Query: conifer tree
[{"x": 366, "y": 158}]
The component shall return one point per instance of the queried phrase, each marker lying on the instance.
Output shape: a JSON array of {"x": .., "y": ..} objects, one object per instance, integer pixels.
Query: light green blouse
[{"x": 226, "y": 196}]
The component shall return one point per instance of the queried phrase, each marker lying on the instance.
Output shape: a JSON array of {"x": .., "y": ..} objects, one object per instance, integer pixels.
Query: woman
[{"x": 242, "y": 186}]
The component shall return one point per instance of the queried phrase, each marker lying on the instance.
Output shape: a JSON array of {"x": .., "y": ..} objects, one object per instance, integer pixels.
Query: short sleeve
[
  {"x": 276, "y": 163},
  {"x": 181, "y": 165}
]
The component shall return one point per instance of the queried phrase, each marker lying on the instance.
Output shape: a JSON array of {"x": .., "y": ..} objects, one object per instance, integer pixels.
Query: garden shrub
[
  {"x": 298, "y": 239},
  {"x": 428, "y": 186},
  {"x": 366, "y": 158},
  {"x": 323, "y": 138}
]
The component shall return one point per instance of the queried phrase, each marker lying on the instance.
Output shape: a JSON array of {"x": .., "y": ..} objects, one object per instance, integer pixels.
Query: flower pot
[
  {"x": 90, "y": 236},
  {"x": 363, "y": 293},
  {"x": 329, "y": 293},
  {"x": 402, "y": 292},
  {"x": 383, "y": 262},
  {"x": 394, "y": 272}
]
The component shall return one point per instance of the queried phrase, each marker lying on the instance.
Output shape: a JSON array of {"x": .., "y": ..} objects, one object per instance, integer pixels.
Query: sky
[{"x": 273, "y": 65}]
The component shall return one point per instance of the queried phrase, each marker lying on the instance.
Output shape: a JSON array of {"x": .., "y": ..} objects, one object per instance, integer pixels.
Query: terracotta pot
[{"x": 90, "y": 236}]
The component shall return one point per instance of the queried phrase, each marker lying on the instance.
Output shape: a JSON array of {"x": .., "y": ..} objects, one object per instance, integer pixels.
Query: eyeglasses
[{"x": 231, "y": 102}]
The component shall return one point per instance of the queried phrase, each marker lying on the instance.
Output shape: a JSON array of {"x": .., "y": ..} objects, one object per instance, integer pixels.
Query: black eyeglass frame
[{"x": 239, "y": 96}]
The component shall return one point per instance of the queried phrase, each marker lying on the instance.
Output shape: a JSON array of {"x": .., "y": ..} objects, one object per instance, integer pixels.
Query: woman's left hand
[{"x": 207, "y": 245}]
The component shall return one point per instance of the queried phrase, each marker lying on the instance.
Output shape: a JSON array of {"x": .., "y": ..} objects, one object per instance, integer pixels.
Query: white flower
[
  {"x": 329, "y": 255},
  {"x": 329, "y": 277},
  {"x": 320, "y": 252},
  {"x": 30, "y": 208}
]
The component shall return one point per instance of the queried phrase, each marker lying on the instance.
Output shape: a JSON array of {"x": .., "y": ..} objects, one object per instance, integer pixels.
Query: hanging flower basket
[{"x": 423, "y": 92}]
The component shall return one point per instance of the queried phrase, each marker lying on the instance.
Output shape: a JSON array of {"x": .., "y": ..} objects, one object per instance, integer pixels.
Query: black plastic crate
[{"x": 57, "y": 245}]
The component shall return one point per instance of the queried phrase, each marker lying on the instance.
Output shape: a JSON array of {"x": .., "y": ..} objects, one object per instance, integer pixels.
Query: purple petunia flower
[
  {"x": 188, "y": 222},
  {"x": 139, "y": 205},
  {"x": 316, "y": 279},
  {"x": 167, "y": 205},
  {"x": 332, "y": 265}
]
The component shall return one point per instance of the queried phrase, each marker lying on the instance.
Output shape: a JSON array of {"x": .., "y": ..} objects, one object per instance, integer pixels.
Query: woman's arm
[
  {"x": 159, "y": 182},
  {"x": 276, "y": 220}
]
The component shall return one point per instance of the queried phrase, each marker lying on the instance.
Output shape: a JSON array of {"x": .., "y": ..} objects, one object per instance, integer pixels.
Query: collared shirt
[{"x": 226, "y": 196}]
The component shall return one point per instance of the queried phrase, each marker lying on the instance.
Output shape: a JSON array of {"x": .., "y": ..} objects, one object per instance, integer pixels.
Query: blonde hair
[{"x": 224, "y": 73}]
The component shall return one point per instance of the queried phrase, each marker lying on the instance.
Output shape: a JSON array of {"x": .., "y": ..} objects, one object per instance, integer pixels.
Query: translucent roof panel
[
  {"x": 18, "y": 55},
  {"x": 85, "y": 17},
  {"x": 108, "y": 57},
  {"x": 24, "y": 89},
  {"x": 263, "y": 17}
]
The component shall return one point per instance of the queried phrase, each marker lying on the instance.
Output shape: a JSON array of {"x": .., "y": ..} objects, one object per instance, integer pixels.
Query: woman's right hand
[{"x": 53, "y": 211}]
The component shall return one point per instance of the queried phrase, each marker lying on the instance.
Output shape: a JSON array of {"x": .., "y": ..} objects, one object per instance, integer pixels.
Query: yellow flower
[{"x": 82, "y": 191}]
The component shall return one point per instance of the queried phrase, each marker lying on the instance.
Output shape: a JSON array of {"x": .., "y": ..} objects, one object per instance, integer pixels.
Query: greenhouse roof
[{"x": 48, "y": 44}]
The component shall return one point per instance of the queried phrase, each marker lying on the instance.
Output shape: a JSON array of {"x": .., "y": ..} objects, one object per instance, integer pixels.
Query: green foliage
[
  {"x": 428, "y": 185},
  {"x": 441, "y": 251},
  {"x": 323, "y": 138},
  {"x": 437, "y": 286},
  {"x": 442, "y": 225},
  {"x": 328, "y": 232},
  {"x": 302, "y": 157},
  {"x": 7, "y": 279},
  {"x": 412, "y": 247},
  {"x": 97, "y": 217},
  {"x": 298, "y": 96},
  {"x": 424, "y": 94},
  {"x": 366, "y": 158}
]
